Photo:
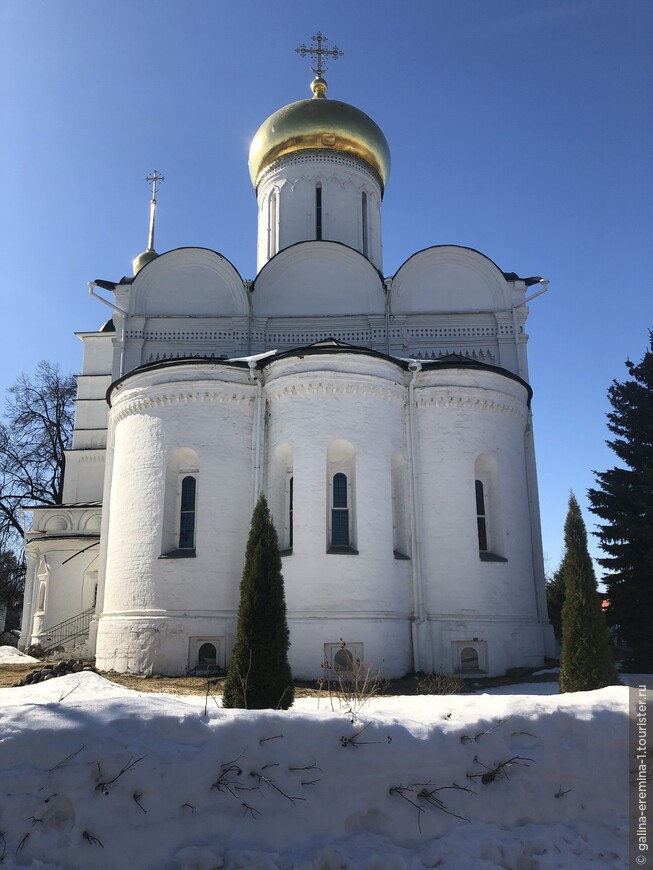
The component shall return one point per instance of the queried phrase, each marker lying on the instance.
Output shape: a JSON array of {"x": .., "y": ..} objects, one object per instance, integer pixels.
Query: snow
[
  {"x": 9, "y": 655},
  {"x": 94, "y": 775}
]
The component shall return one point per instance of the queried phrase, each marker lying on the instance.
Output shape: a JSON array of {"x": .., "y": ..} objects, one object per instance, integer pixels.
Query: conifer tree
[
  {"x": 587, "y": 661},
  {"x": 259, "y": 675},
  {"x": 555, "y": 598},
  {"x": 623, "y": 499}
]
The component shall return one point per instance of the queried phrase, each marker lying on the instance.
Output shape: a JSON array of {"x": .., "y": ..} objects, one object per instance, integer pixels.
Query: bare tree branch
[{"x": 35, "y": 432}]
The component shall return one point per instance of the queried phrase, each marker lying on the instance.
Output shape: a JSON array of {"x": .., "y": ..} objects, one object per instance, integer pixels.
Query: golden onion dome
[
  {"x": 319, "y": 123},
  {"x": 142, "y": 260}
]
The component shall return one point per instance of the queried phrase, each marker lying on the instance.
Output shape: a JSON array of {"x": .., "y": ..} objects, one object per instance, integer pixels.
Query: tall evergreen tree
[
  {"x": 259, "y": 675},
  {"x": 587, "y": 661},
  {"x": 623, "y": 499},
  {"x": 555, "y": 598}
]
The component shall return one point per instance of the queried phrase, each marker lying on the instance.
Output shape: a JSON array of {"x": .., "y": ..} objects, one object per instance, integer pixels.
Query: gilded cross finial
[
  {"x": 320, "y": 52},
  {"x": 154, "y": 180}
]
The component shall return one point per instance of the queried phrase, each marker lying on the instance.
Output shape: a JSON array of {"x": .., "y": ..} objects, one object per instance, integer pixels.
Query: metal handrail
[{"x": 75, "y": 626}]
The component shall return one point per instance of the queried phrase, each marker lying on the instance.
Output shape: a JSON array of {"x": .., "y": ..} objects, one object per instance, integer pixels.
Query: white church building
[{"x": 386, "y": 418}]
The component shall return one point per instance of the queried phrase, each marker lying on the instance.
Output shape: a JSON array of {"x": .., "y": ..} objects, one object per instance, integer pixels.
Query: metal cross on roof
[
  {"x": 319, "y": 52},
  {"x": 154, "y": 179}
]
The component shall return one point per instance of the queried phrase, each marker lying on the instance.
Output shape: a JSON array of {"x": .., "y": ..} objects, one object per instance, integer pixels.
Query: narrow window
[
  {"x": 364, "y": 222},
  {"x": 339, "y": 512},
  {"x": 340, "y": 486},
  {"x": 187, "y": 514},
  {"x": 481, "y": 519},
  {"x": 272, "y": 224},
  {"x": 318, "y": 212},
  {"x": 42, "y": 579},
  {"x": 400, "y": 518},
  {"x": 290, "y": 511}
]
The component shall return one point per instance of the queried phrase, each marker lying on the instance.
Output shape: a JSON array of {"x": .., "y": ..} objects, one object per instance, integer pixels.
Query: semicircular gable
[
  {"x": 186, "y": 282},
  {"x": 57, "y": 523},
  {"x": 318, "y": 278},
  {"x": 448, "y": 278}
]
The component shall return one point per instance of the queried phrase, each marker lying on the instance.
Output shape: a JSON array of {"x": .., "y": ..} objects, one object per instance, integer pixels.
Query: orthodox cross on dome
[
  {"x": 154, "y": 179},
  {"x": 319, "y": 52}
]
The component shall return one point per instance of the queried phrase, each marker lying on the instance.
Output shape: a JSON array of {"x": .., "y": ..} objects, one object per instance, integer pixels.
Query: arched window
[
  {"x": 43, "y": 574},
  {"x": 206, "y": 655},
  {"x": 280, "y": 493},
  {"x": 341, "y": 501},
  {"x": 489, "y": 525},
  {"x": 364, "y": 221},
  {"x": 318, "y": 212},
  {"x": 291, "y": 495},
  {"x": 272, "y": 224},
  {"x": 481, "y": 518},
  {"x": 179, "y": 526},
  {"x": 343, "y": 660},
  {"x": 400, "y": 517},
  {"x": 339, "y": 512},
  {"x": 187, "y": 514}
]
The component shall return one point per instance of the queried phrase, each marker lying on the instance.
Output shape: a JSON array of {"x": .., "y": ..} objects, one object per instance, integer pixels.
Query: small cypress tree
[
  {"x": 259, "y": 675},
  {"x": 587, "y": 661}
]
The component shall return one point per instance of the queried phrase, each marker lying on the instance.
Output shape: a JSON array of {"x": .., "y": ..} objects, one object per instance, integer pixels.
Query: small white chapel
[{"x": 385, "y": 417}]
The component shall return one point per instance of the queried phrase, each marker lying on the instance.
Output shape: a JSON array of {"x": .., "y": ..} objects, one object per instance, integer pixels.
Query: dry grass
[
  {"x": 170, "y": 685},
  {"x": 439, "y": 684},
  {"x": 12, "y": 673}
]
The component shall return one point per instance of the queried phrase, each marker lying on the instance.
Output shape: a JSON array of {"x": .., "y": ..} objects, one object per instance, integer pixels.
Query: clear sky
[{"x": 521, "y": 128}]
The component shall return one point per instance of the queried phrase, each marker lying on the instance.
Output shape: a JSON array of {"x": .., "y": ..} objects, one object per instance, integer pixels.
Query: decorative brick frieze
[
  {"x": 324, "y": 387},
  {"x": 127, "y": 407},
  {"x": 311, "y": 156},
  {"x": 470, "y": 403}
]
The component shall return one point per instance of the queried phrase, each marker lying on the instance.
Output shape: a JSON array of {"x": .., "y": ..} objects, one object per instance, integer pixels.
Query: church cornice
[
  {"x": 161, "y": 365},
  {"x": 315, "y": 615},
  {"x": 456, "y": 620},
  {"x": 98, "y": 455},
  {"x": 335, "y": 383},
  {"x": 127, "y": 407},
  {"x": 469, "y": 403}
]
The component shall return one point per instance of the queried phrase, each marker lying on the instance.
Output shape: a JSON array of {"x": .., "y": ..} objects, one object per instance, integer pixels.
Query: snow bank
[
  {"x": 95, "y": 775},
  {"x": 9, "y": 655}
]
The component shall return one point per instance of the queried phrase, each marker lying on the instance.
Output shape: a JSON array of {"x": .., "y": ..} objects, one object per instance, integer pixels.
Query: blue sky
[{"x": 522, "y": 128}]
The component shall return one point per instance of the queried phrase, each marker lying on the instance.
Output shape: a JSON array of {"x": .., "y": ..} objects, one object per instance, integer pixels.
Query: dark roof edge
[
  {"x": 508, "y": 276},
  {"x": 452, "y": 361},
  {"x": 171, "y": 363},
  {"x": 446, "y": 362},
  {"x": 72, "y": 536},
  {"x": 317, "y": 242},
  {"x": 65, "y": 505}
]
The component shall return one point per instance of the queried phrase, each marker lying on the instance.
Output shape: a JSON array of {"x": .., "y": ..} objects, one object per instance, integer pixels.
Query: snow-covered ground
[
  {"x": 9, "y": 655},
  {"x": 93, "y": 775}
]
